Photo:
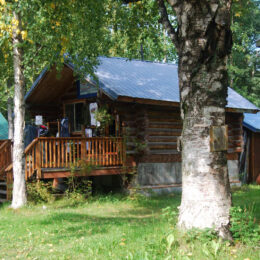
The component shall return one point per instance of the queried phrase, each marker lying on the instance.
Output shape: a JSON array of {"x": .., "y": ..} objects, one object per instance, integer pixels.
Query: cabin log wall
[{"x": 152, "y": 132}]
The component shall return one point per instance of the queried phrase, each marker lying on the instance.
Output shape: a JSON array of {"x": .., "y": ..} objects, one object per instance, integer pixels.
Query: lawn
[{"x": 116, "y": 227}]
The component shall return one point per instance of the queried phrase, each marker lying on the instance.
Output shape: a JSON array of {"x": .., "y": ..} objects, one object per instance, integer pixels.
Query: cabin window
[{"x": 74, "y": 112}]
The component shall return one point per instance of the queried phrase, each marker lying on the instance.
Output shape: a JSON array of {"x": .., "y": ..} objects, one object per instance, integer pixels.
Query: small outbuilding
[{"x": 250, "y": 158}]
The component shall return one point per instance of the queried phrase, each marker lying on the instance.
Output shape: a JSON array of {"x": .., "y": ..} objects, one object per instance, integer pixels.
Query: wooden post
[
  {"x": 9, "y": 185},
  {"x": 38, "y": 160}
]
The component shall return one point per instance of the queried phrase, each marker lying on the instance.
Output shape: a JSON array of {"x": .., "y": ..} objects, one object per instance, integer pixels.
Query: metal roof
[
  {"x": 145, "y": 80},
  {"x": 252, "y": 121},
  {"x": 3, "y": 127},
  {"x": 150, "y": 80},
  {"x": 138, "y": 79}
]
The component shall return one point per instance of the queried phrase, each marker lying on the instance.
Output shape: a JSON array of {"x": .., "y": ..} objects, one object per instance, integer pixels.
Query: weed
[
  {"x": 38, "y": 192},
  {"x": 244, "y": 226},
  {"x": 79, "y": 187},
  {"x": 170, "y": 214}
]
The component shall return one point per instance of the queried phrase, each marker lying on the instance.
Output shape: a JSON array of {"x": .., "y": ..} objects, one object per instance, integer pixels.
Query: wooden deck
[
  {"x": 51, "y": 158},
  {"x": 52, "y": 154}
]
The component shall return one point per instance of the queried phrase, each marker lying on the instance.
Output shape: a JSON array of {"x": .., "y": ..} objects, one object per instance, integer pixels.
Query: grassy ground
[{"x": 116, "y": 227}]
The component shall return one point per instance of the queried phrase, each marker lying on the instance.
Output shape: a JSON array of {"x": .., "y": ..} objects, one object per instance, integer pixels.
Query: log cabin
[{"x": 142, "y": 99}]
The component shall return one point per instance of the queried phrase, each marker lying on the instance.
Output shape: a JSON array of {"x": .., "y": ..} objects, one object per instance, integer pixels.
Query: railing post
[
  {"x": 83, "y": 149},
  {"x": 38, "y": 160}
]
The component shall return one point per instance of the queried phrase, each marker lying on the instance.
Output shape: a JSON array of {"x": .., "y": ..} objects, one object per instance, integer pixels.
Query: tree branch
[{"x": 164, "y": 20}]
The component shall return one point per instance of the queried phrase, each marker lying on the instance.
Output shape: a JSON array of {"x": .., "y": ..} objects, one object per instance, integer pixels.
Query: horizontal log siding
[
  {"x": 151, "y": 132},
  {"x": 235, "y": 132}
]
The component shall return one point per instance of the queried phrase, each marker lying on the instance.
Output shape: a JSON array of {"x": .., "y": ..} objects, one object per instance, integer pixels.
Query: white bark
[
  {"x": 203, "y": 44},
  {"x": 19, "y": 187},
  {"x": 10, "y": 119}
]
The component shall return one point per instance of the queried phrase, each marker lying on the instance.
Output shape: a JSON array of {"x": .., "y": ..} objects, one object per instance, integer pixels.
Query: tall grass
[{"x": 119, "y": 227}]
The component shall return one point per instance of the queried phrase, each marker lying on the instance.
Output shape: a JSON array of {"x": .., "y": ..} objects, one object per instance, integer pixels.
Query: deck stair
[
  {"x": 3, "y": 192},
  {"x": 5, "y": 161}
]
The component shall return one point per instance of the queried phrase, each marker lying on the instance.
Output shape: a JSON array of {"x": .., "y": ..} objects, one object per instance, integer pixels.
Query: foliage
[
  {"x": 79, "y": 188},
  {"x": 243, "y": 71},
  {"x": 243, "y": 225},
  {"x": 116, "y": 227},
  {"x": 104, "y": 117},
  {"x": 134, "y": 31},
  {"x": 51, "y": 30},
  {"x": 38, "y": 192}
]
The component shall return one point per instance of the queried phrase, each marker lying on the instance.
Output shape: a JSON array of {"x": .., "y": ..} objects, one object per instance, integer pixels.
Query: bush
[
  {"x": 79, "y": 188},
  {"x": 38, "y": 192}
]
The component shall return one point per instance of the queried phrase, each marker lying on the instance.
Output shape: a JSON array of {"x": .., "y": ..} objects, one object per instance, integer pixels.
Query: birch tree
[
  {"x": 203, "y": 41},
  {"x": 37, "y": 33}
]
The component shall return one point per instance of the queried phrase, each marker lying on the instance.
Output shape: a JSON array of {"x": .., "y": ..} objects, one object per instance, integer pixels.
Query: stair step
[
  {"x": 2, "y": 200},
  {"x": 2, "y": 183},
  {"x": 3, "y": 192}
]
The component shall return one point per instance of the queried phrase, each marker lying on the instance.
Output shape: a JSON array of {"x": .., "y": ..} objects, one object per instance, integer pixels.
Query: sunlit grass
[{"x": 112, "y": 227}]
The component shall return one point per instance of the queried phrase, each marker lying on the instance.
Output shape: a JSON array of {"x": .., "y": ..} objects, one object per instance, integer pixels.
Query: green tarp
[{"x": 3, "y": 127}]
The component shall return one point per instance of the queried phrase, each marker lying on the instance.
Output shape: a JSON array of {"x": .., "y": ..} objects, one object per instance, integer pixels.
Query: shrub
[{"x": 38, "y": 192}]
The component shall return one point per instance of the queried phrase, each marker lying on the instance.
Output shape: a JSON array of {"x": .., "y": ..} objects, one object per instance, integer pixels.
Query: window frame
[{"x": 73, "y": 102}]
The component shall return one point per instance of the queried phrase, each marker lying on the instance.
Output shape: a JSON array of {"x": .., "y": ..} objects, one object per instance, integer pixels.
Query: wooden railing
[
  {"x": 5, "y": 154},
  {"x": 66, "y": 152}
]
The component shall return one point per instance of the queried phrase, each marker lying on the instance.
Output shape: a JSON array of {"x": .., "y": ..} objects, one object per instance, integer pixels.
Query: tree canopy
[
  {"x": 53, "y": 28},
  {"x": 243, "y": 72}
]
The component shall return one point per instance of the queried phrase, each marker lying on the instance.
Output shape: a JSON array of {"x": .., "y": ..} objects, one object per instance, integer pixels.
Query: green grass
[{"x": 115, "y": 227}]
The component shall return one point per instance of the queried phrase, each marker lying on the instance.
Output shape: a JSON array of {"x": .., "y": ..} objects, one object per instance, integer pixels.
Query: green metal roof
[{"x": 3, "y": 127}]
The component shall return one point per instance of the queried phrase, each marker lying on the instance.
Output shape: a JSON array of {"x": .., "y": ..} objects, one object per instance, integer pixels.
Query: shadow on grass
[
  {"x": 76, "y": 225},
  {"x": 4, "y": 205},
  {"x": 155, "y": 203}
]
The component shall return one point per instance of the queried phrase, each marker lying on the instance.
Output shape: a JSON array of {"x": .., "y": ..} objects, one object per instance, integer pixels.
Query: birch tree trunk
[
  {"x": 10, "y": 119},
  {"x": 19, "y": 188},
  {"x": 203, "y": 41}
]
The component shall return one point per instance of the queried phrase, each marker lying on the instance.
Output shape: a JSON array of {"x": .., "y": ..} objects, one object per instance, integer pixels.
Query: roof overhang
[
  {"x": 251, "y": 128},
  {"x": 148, "y": 101},
  {"x": 241, "y": 110},
  {"x": 49, "y": 86}
]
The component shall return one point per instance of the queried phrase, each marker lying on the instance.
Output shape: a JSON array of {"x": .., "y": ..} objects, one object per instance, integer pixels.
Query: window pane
[
  {"x": 69, "y": 113},
  {"x": 78, "y": 116}
]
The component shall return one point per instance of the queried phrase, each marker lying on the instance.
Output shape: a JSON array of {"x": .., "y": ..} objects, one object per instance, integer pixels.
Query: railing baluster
[
  {"x": 62, "y": 154},
  {"x": 26, "y": 167},
  {"x": 58, "y": 152},
  {"x": 33, "y": 159},
  {"x": 50, "y": 153},
  {"x": 77, "y": 152},
  {"x": 92, "y": 151},
  {"x": 74, "y": 151},
  {"x": 100, "y": 152},
  {"x": 106, "y": 153},
  {"x": 114, "y": 152},
  {"x": 96, "y": 152},
  {"x": 54, "y": 165},
  {"x": 109, "y": 152},
  {"x": 70, "y": 152}
]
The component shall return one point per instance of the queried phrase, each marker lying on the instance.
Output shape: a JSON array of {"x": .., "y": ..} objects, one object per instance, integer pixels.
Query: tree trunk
[
  {"x": 19, "y": 188},
  {"x": 203, "y": 41},
  {"x": 10, "y": 119}
]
